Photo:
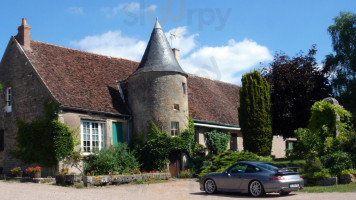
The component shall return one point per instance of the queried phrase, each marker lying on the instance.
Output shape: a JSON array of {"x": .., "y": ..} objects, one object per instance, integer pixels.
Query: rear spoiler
[{"x": 286, "y": 171}]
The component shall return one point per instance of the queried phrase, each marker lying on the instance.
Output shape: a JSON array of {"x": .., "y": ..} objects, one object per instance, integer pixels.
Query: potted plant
[
  {"x": 16, "y": 171},
  {"x": 34, "y": 172}
]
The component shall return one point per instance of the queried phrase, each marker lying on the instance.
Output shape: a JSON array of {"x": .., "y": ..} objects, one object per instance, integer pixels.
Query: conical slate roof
[{"x": 158, "y": 55}]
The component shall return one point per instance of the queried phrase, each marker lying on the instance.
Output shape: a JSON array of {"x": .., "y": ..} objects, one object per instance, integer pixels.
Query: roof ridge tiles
[
  {"x": 87, "y": 52},
  {"x": 189, "y": 74}
]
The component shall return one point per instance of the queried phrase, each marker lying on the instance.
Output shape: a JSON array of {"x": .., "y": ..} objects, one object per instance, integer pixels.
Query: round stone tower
[{"x": 157, "y": 90}]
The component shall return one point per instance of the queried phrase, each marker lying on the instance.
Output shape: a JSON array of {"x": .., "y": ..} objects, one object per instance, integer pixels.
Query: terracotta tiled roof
[
  {"x": 213, "y": 101},
  {"x": 81, "y": 79},
  {"x": 85, "y": 80}
]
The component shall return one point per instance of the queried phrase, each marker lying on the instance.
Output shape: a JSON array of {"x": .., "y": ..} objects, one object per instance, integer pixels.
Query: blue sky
[{"x": 218, "y": 39}]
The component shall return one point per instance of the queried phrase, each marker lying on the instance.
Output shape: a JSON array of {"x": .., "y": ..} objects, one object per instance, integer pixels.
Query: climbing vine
[
  {"x": 160, "y": 148},
  {"x": 216, "y": 141},
  {"x": 44, "y": 142}
]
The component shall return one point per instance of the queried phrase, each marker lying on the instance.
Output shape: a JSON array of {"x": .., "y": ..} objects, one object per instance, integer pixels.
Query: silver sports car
[{"x": 254, "y": 177}]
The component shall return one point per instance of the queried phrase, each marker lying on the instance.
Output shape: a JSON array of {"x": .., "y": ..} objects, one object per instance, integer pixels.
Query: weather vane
[{"x": 173, "y": 35}]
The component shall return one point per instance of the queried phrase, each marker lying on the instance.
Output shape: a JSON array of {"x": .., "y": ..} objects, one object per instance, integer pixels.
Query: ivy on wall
[
  {"x": 160, "y": 148},
  {"x": 44, "y": 142},
  {"x": 216, "y": 141}
]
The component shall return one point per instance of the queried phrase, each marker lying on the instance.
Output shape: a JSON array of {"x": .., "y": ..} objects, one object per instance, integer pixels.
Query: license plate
[{"x": 293, "y": 185}]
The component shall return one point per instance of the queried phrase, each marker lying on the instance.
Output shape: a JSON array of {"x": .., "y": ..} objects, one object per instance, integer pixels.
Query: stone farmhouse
[{"x": 111, "y": 99}]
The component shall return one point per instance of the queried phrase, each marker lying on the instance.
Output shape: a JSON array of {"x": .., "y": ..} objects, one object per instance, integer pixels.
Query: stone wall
[
  {"x": 28, "y": 97},
  {"x": 151, "y": 97}
]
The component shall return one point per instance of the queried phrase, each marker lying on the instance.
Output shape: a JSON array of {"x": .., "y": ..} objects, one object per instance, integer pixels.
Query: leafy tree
[
  {"x": 320, "y": 137},
  {"x": 255, "y": 114},
  {"x": 342, "y": 64},
  {"x": 297, "y": 83}
]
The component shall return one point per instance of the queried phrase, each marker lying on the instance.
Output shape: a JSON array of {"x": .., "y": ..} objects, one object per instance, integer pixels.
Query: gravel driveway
[{"x": 173, "y": 190}]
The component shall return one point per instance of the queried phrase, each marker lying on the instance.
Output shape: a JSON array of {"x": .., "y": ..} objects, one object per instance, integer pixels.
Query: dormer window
[{"x": 8, "y": 107}]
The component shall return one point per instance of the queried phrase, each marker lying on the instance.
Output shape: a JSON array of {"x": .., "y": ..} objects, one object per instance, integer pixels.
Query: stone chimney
[
  {"x": 176, "y": 53},
  {"x": 24, "y": 34}
]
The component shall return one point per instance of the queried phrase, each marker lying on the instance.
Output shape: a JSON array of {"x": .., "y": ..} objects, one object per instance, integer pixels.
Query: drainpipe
[{"x": 128, "y": 108}]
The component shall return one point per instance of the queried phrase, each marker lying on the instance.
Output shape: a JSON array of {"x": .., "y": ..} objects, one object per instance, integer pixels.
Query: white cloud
[
  {"x": 151, "y": 8},
  {"x": 184, "y": 42},
  {"x": 75, "y": 10},
  {"x": 226, "y": 63},
  {"x": 127, "y": 8},
  {"x": 113, "y": 43}
]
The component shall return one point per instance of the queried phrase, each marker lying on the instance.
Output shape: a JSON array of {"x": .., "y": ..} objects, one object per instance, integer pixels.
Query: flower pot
[
  {"x": 19, "y": 174},
  {"x": 35, "y": 174}
]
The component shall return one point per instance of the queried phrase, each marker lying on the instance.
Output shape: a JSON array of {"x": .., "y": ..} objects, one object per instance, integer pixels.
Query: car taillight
[
  {"x": 300, "y": 176},
  {"x": 277, "y": 178}
]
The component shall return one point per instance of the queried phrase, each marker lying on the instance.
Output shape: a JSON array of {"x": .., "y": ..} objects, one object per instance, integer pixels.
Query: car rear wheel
[
  {"x": 256, "y": 189},
  {"x": 210, "y": 186}
]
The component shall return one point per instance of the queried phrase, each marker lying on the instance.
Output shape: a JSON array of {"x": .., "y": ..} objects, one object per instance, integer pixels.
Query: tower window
[
  {"x": 8, "y": 99},
  {"x": 2, "y": 136},
  {"x": 184, "y": 88},
  {"x": 176, "y": 107},
  {"x": 174, "y": 128}
]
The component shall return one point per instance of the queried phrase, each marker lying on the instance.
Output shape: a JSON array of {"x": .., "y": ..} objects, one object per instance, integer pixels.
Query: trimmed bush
[
  {"x": 255, "y": 114},
  {"x": 224, "y": 160},
  {"x": 337, "y": 162}
]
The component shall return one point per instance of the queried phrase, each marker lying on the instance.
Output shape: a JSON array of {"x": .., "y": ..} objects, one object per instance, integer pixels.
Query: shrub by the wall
[
  {"x": 112, "y": 159},
  {"x": 337, "y": 162}
]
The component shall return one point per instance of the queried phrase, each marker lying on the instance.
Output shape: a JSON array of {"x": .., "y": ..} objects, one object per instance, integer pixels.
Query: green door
[{"x": 117, "y": 133}]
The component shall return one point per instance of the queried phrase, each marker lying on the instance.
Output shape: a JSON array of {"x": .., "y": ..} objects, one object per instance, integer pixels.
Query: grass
[{"x": 351, "y": 187}]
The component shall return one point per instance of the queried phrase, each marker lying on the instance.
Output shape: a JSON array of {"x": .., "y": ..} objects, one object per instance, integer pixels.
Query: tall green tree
[
  {"x": 255, "y": 114},
  {"x": 342, "y": 64},
  {"x": 297, "y": 83}
]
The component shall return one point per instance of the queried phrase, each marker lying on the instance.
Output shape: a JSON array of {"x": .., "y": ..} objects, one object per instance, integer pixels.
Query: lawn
[{"x": 333, "y": 188}]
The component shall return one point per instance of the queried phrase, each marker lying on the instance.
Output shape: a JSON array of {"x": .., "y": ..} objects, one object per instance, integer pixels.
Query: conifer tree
[{"x": 255, "y": 114}]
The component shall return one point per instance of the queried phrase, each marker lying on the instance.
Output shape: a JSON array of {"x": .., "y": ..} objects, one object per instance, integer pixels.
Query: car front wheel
[
  {"x": 210, "y": 186},
  {"x": 256, "y": 189}
]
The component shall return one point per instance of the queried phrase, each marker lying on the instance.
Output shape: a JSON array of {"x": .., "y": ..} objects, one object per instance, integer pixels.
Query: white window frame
[
  {"x": 101, "y": 136},
  {"x": 8, "y": 106},
  {"x": 175, "y": 130}
]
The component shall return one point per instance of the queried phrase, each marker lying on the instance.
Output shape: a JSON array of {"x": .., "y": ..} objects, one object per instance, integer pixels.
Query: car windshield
[{"x": 268, "y": 166}]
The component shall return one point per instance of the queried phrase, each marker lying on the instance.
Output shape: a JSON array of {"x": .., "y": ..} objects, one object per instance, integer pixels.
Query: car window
[
  {"x": 268, "y": 166},
  {"x": 238, "y": 168},
  {"x": 252, "y": 169}
]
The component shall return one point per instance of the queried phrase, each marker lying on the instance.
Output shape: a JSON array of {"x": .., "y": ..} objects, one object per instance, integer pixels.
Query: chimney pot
[
  {"x": 24, "y": 34},
  {"x": 176, "y": 53},
  {"x": 24, "y": 22}
]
